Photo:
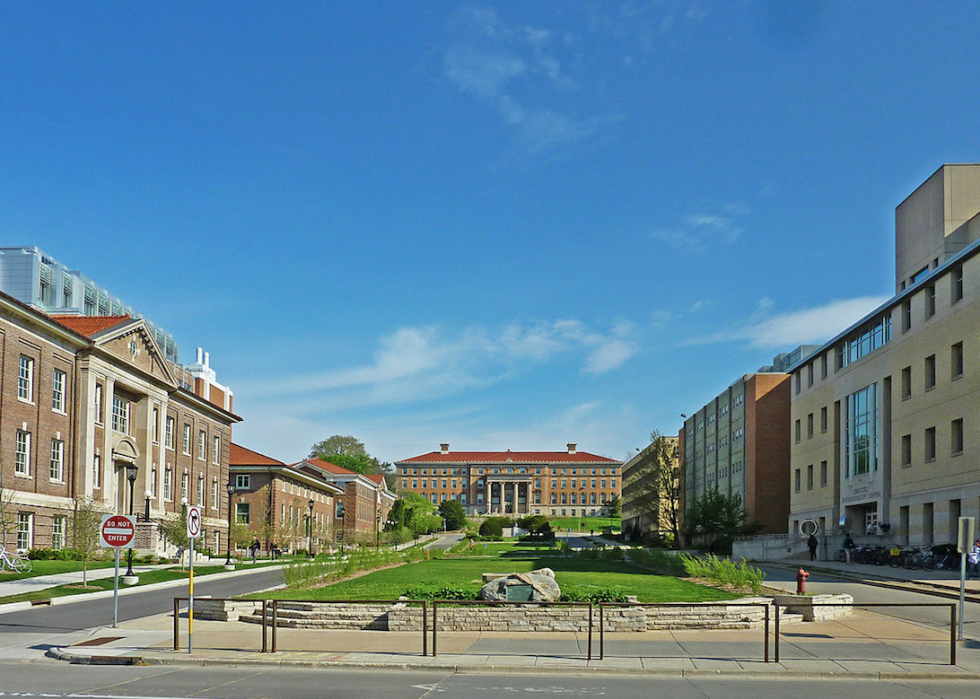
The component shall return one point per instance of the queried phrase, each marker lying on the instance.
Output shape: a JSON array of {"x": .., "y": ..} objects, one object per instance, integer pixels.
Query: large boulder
[{"x": 536, "y": 586}]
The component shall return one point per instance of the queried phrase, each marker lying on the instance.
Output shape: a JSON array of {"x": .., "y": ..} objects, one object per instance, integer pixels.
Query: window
[
  {"x": 57, "y": 471},
  {"x": 153, "y": 483},
  {"x": 98, "y": 404},
  {"x": 956, "y": 437},
  {"x": 168, "y": 432},
  {"x": 823, "y": 366},
  {"x": 243, "y": 482},
  {"x": 930, "y": 300},
  {"x": 956, "y": 360},
  {"x": 214, "y": 495},
  {"x": 809, "y": 477},
  {"x": 202, "y": 445},
  {"x": 906, "y": 450},
  {"x": 200, "y": 490},
  {"x": 58, "y": 391},
  {"x": 216, "y": 450},
  {"x": 22, "y": 454},
  {"x": 59, "y": 526},
  {"x": 906, "y": 383},
  {"x": 120, "y": 415},
  {"x": 25, "y": 530},
  {"x": 823, "y": 419},
  {"x": 185, "y": 482},
  {"x": 186, "y": 446},
  {"x": 796, "y": 481},
  {"x": 861, "y": 449},
  {"x": 930, "y": 373},
  {"x": 809, "y": 426},
  {"x": 867, "y": 342},
  {"x": 66, "y": 295},
  {"x": 25, "y": 379},
  {"x": 823, "y": 473},
  {"x": 799, "y": 431},
  {"x": 930, "y": 444},
  {"x": 155, "y": 426},
  {"x": 906, "y": 315},
  {"x": 798, "y": 379},
  {"x": 242, "y": 513},
  {"x": 809, "y": 375},
  {"x": 168, "y": 484},
  {"x": 97, "y": 471},
  {"x": 956, "y": 285}
]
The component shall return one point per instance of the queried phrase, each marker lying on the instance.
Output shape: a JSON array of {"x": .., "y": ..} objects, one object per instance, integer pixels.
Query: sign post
[
  {"x": 117, "y": 532},
  {"x": 964, "y": 542},
  {"x": 193, "y": 531}
]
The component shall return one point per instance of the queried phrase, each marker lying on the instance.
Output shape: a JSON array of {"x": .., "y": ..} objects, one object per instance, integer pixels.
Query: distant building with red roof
[{"x": 568, "y": 483}]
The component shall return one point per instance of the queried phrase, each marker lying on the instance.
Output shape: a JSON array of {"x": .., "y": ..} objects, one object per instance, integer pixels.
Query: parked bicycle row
[{"x": 913, "y": 558}]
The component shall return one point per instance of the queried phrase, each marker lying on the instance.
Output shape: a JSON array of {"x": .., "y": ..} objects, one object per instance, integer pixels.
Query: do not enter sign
[{"x": 117, "y": 532}]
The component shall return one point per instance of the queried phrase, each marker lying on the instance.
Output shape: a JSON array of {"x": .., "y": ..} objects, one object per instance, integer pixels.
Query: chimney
[
  {"x": 199, "y": 355},
  {"x": 444, "y": 447},
  {"x": 571, "y": 447},
  {"x": 207, "y": 359}
]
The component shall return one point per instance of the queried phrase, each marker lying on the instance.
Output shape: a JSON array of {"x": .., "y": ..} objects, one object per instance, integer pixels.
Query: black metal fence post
[
  {"x": 777, "y": 633},
  {"x": 767, "y": 633},
  {"x": 275, "y": 625},
  {"x": 425, "y": 628},
  {"x": 176, "y": 623},
  {"x": 265, "y": 623},
  {"x": 435, "y": 624}
]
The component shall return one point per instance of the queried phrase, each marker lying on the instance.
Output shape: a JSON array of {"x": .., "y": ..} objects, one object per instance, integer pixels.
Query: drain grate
[{"x": 98, "y": 641}]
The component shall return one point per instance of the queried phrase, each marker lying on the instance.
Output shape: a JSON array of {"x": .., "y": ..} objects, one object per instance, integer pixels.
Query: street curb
[
  {"x": 11, "y": 607},
  {"x": 784, "y": 674},
  {"x": 922, "y": 587}
]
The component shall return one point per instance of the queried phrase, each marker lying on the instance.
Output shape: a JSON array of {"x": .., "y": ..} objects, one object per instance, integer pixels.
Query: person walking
[
  {"x": 255, "y": 550},
  {"x": 812, "y": 544},
  {"x": 973, "y": 561},
  {"x": 848, "y": 547}
]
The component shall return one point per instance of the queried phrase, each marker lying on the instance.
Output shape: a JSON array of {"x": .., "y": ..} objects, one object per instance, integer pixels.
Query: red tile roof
[
  {"x": 89, "y": 325},
  {"x": 501, "y": 457},
  {"x": 378, "y": 478},
  {"x": 240, "y": 456},
  {"x": 325, "y": 465}
]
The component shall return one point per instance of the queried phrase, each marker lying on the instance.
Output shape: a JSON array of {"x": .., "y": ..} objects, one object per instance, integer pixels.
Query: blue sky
[{"x": 501, "y": 225}]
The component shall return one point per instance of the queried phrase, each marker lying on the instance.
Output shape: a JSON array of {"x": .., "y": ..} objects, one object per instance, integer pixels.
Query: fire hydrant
[{"x": 801, "y": 577}]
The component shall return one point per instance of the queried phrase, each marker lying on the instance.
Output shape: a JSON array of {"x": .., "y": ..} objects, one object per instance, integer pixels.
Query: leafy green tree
[
  {"x": 86, "y": 525},
  {"x": 8, "y": 513},
  {"x": 656, "y": 487},
  {"x": 357, "y": 464},
  {"x": 453, "y": 513},
  {"x": 338, "y": 445},
  {"x": 537, "y": 526},
  {"x": 615, "y": 506},
  {"x": 715, "y": 519}
]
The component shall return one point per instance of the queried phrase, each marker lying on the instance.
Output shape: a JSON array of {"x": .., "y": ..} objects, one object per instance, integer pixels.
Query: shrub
[
  {"x": 594, "y": 596},
  {"x": 492, "y": 526},
  {"x": 55, "y": 554},
  {"x": 658, "y": 561},
  {"x": 434, "y": 592},
  {"x": 724, "y": 571}
]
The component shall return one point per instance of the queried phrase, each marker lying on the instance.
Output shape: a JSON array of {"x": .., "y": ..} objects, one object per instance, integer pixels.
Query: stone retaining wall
[{"x": 402, "y": 617}]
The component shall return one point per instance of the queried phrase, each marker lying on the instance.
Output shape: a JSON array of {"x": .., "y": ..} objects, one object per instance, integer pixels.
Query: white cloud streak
[
  {"x": 700, "y": 231},
  {"x": 787, "y": 330}
]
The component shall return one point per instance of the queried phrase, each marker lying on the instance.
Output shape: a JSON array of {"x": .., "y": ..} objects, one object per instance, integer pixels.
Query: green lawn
[
  {"x": 585, "y": 524},
  {"x": 574, "y": 575},
  {"x": 53, "y": 568},
  {"x": 509, "y": 549}
]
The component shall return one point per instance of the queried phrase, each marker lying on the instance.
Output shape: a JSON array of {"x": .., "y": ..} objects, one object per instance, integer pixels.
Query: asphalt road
[
  {"x": 76, "y": 681},
  {"x": 67, "y": 618}
]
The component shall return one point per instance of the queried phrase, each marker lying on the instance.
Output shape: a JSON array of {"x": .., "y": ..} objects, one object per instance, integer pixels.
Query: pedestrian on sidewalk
[
  {"x": 812, "y": 544},
  {"x": 254, "y": 549},
  {"x": 973, "y": 561},
  {"x": 848, "y": 546}
]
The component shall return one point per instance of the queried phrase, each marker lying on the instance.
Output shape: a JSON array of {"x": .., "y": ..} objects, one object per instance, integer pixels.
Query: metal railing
[
  {"x": 270, "y": 613},
  {"x": 503, "y": 603},
  {"x": 686, "y": 605},
  {"x": 952, "y": 618}
]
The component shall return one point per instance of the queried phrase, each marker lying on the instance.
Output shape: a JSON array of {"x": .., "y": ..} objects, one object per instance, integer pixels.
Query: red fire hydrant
[{"x": 801, "y": 577}]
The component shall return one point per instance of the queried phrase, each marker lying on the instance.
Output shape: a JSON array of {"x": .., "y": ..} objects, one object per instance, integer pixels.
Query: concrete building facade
[
  {"x": 641, "y": 513},
  {"x": 563, "y": 484},
  {"x": 886, "y": 416}
]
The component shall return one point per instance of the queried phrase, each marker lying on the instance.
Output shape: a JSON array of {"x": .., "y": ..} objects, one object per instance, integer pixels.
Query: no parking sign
[{"x": 193, "y": 522}]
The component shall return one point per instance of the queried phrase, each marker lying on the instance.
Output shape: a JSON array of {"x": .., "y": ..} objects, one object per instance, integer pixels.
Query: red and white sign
[
  {"x": 193, "y": 522},
  {"x": 117, "y": 532}
]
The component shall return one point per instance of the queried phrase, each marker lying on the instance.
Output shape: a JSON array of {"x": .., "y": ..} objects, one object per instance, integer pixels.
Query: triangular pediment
[{"x": 133, "y": 344}]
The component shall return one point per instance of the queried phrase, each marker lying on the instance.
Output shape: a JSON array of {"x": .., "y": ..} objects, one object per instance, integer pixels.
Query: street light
[
  {"x": 377, "y": 543},
  {"x": 310, "y": 518},
  {"x": 148, "y": 495},
  {"x": 343, "y": 512},
  {"x": 131, "y": 470},
  {"x": 230, "y": 487}
]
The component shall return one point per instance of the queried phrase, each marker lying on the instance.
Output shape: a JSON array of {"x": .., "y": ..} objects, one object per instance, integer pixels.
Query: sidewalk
[
  {"x": 862, "y": 646},
  {"x": 18, "y": 586}
]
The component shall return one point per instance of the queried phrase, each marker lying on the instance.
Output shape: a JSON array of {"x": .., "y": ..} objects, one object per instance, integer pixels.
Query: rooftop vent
[
  {"x": 571, "y": 447},
  {"x": 444, "y": 447}
]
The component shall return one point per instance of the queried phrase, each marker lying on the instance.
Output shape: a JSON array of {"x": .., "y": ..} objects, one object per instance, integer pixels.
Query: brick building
[
  {"x": 84, "y": 402},
  {"x": 571, "y": 483},
  {"x": 275, "y": 501}
]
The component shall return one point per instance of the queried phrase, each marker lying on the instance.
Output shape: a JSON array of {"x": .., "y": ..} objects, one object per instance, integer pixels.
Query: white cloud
[
  {"x": 699, "y": 231},
  {"x": 807, "y": 326}
]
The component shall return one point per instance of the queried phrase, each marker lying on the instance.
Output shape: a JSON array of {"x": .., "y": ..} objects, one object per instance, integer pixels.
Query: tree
[
  {"x": 615, "y": 506},
  {"x": 715, "y": 519},
  {"x": 655, "y": 490},
  {"x": 174, "y": 530},
  {"x": 357, "y": 464},
  {"x": 537, "y": 526},
  {"x": 338, "y": 445},
  {"x": 8, "y": 514},
  {"x": 86, "y": 525},
  {"x": 453, "y": 513}
]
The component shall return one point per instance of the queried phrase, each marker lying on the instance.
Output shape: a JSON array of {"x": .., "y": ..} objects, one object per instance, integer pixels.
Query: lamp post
[
  {"x": 230, "y": 487},
  {"x": 131, "y": 470},
  {"x": 149, "y": 496},
  {"x": 377, "y": 543},
  {"x": 310, "y": 518}
]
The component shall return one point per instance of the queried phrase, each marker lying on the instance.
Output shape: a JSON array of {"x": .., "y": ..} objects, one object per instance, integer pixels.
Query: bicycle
[{"x": 15, "y": 562}]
